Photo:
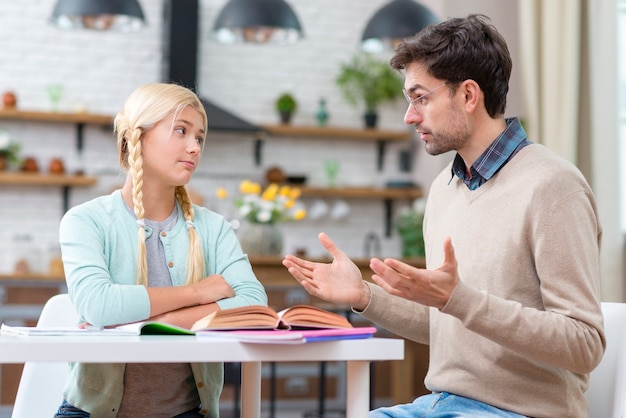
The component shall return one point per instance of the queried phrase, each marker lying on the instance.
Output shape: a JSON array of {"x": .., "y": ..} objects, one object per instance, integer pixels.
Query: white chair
[
  {"x": 606, "y": 395},
  {"x": 41, "y": 386}
]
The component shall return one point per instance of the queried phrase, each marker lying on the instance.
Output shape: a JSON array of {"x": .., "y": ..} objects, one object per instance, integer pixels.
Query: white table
[{"x": 109, "y": 349}]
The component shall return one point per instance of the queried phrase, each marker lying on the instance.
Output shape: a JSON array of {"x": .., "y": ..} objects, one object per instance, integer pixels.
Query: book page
[
  {"x": 305, "y": 316},
  {"x": 245, "y": 317},
  {"x": 61, "y": 331}
]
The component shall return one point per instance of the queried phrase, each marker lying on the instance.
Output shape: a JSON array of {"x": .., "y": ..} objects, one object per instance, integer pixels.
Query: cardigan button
[
  {"x": 163, "y": 233},
  {"x": 171, "y": 264}
]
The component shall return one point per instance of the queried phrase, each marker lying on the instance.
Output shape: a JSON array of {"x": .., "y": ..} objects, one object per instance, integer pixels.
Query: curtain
[
  {"x": 550, "y": 44},
  {"x": 568, "y": 67}
]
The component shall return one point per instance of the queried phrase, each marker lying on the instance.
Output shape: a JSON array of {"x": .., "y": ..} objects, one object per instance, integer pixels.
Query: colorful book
[
  {"x": 290, "y": 336},
  {"x": 255, "y": 317}
]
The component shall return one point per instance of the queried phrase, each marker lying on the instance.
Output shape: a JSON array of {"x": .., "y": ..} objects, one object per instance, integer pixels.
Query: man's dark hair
[{"x": 462, "y": 49}]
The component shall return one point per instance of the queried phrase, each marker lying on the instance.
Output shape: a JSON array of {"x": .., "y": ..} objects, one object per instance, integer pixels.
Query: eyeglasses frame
[{"x": 415, "y": 101}]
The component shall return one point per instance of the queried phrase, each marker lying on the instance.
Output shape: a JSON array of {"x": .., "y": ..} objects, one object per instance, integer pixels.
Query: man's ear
[{"x": 472, "y": 95}]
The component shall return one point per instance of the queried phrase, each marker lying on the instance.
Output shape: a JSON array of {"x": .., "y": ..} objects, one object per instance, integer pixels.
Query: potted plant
[
  {"x": 286, "y": 105},
  {"x": 263, "y": 210},
  {"x": 409, "y": 225},
  {"x": 367, "y": 83},
  {"x": 9, "y": 151}
]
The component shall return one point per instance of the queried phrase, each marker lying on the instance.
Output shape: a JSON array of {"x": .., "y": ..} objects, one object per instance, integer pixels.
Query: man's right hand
[{"x": 338, "y": 282}]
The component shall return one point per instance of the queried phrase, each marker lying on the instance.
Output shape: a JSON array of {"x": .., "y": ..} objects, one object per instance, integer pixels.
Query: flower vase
[{"x": 261, "y": 238}]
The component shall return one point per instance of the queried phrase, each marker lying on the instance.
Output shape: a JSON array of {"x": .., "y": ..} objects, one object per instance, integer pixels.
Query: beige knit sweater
[{"x": 523, "y": 328}]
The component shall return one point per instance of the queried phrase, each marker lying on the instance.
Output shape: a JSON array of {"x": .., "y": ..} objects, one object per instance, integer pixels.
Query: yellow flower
[
  {"x": 274, "y": 204},
  {"x": 249, "y": 187},
  {"x": 221, "y": 193},
  {"x": 295, "y": 193},
  {"x": 270, "y": 193},
  {"x": 299, "y": 214},
  {"x": 284, "y": 191}
]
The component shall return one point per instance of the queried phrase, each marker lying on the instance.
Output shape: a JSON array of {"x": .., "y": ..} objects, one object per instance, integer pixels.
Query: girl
[{"x": 146, "y": 252}]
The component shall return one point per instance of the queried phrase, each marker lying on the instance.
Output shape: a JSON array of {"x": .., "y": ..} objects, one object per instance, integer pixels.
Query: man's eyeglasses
[{"x": 420, "y": 100}]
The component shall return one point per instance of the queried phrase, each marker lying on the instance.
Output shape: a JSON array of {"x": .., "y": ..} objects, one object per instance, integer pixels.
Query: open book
[
  {"x": 263, "y": 317},
  {"x": 256, "y": 317}
]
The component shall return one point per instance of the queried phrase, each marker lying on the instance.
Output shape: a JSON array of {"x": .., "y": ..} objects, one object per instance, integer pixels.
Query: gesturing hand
[
  {"x": 339, "y": 281},
  {"x": 428, "y": 287}
]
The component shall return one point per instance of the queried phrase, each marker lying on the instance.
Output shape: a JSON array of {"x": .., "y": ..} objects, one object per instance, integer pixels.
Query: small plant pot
[
  {"x": 285, "y": 117},
  {"x": 371, "y": 120}
]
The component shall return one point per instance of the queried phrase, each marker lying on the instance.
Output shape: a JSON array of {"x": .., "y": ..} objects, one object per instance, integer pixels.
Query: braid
[
  {"x": 135, "y": 163},
  {"x": 195, "y": 258}
]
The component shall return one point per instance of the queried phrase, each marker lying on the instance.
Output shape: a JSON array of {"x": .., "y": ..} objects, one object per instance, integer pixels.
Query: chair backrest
[
  {"x": 606, "y": 395},
  {"x": 41, "y": 386}
]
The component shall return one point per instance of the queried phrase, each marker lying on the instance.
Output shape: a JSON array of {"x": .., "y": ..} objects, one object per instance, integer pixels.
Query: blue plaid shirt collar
[{"x": 505, "y": 146}]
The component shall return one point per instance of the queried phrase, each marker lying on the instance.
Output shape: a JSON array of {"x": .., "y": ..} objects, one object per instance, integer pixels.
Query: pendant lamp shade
[
  {"x": 257, "y": 21},
  {"x": 119, "y": 15},
  {"x": 398, "y": 20}
]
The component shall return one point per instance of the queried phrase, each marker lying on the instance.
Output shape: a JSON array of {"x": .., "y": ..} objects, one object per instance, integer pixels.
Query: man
[{"x": 509, "y": 302}]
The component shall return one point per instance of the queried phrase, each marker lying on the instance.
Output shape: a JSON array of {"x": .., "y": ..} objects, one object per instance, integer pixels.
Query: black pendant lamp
[
  {"x": 117, "y": 15},
  {"x": 398, "y": 20},
  {"x": 257, "y": 21}
]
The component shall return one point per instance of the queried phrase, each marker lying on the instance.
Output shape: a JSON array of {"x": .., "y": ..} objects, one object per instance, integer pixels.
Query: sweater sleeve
[
  {"x": 98, "y": 298},
  {"x": 407, "y": 319}
]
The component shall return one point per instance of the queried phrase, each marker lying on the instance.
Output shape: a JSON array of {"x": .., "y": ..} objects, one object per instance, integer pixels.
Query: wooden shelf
[
  {"x": 38, "y": 179},
  {"x": 387, "y": 195},
  {"x": 80, "y": 119},
  {"x": 31, "y": 277},
  {"x": 58, "y": 117},
  {"x": 381, "y": 137},
  {"x": 337, "y": 132},
  {"x": 64, "y": 181},
  {"x": 362, "y": 192}
]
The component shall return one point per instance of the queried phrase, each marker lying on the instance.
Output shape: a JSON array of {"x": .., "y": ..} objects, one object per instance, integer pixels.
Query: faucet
[{"x": 372, "y": 239}]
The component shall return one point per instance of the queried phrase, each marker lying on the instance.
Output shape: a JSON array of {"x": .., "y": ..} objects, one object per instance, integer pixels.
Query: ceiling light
[
  {"x": 398, "y": 20},
  {"x": 257, "y": 21},
  {"x": 119, "y": 15}
]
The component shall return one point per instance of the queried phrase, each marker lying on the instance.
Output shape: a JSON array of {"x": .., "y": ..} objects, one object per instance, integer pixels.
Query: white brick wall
[{"x": 99, "y": 69}]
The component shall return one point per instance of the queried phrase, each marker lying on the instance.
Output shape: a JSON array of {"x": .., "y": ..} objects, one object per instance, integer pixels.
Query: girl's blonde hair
[{"x": 144, "y": 108}]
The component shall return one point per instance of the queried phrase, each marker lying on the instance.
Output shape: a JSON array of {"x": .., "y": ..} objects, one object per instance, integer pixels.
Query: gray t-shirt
[{"x": 176, "y": 393}]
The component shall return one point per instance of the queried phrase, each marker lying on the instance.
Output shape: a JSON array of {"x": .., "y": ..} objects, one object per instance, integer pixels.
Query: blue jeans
[
  {"x": 442, "y": 405},
  {"x": 66, "y": 410}
]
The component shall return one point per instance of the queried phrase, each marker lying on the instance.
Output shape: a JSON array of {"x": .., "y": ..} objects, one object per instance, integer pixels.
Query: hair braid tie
[
  {"x": 141, "y": 223},
  {"x": 189, "y": 224}
]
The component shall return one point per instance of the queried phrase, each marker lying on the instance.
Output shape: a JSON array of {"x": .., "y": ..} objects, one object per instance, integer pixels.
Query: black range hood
[{"x": 180, "y": 61}]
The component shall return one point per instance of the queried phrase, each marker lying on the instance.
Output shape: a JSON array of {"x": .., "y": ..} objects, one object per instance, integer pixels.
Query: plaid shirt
[{"x": 506, "y": 145}]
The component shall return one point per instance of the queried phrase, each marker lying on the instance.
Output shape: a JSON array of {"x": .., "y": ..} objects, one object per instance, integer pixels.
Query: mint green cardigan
[{"x": 99, "y": 248}]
